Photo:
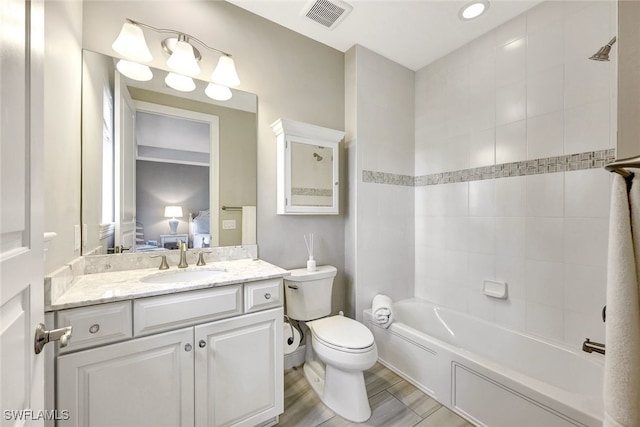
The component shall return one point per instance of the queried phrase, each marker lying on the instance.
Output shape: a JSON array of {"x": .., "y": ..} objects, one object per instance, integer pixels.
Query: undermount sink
[{"x": 182, "y": 276}]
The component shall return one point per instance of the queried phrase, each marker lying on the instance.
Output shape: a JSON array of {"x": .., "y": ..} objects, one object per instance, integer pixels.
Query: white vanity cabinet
[
  {"x": 142, "y": 382},
  {"x": 204, "y": 372}
]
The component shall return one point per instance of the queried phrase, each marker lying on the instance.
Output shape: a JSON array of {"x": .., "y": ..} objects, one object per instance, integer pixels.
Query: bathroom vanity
[{"x": 200, "y": 346}]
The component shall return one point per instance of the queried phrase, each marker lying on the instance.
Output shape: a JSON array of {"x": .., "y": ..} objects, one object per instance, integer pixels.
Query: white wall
[
  {"x": 523, "y": 91},
  {"x": 62, "y": 75},
  {"x": 380, "y": 111}
]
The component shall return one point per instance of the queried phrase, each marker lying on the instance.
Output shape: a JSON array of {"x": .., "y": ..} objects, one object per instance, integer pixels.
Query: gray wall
[
  {"x": 161, "y": 184},
  {"x": 293, "y": 76}
]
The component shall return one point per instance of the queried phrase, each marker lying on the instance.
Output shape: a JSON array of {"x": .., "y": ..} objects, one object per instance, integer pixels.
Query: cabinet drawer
[
  {"x": 96, "y": 325},
  {"x": 163, "y": 313},
  {"x": 262, "y": 295}
]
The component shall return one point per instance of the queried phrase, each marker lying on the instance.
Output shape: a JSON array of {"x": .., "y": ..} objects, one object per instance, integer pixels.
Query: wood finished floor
[{"x": 394, "y": 403}]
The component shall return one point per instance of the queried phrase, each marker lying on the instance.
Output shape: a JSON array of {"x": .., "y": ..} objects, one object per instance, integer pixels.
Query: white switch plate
[
  {"x": 229, "y": 224},
  {"x": 76, "y": 237}
]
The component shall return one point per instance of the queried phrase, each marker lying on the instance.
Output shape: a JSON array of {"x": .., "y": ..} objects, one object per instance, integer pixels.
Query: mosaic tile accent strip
[
  {"x": 321, "y": 192},
  {"x": 387, "y": 178},
  {"x": 569, "y": 162}
]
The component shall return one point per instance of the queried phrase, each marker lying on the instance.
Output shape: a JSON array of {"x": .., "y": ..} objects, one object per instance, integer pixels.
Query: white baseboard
[{"x": 295, "y": 358}]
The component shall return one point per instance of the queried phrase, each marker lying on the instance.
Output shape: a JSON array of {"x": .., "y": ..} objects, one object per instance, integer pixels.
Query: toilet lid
[{"x": 342, "y": 332}]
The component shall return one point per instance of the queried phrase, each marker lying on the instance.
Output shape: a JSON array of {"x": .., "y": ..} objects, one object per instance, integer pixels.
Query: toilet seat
[{"x": 342, "y": 333}]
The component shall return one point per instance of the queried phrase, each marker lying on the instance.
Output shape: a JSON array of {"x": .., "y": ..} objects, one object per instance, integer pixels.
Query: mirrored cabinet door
[{"x": 308, "y": 165}]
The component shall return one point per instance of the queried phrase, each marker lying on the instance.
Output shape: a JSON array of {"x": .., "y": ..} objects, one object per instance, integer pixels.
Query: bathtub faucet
[{"x": 590, "y": 347}]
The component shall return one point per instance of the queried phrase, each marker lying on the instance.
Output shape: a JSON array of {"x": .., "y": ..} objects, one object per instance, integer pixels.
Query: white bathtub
[{"x": 493, "y": 376}]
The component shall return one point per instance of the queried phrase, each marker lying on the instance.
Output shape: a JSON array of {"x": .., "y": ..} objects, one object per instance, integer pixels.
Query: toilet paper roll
[{"x": 286, "y": 334}]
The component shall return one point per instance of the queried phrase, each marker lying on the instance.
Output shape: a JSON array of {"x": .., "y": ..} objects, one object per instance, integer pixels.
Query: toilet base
[{"x": 343, "y": 392}]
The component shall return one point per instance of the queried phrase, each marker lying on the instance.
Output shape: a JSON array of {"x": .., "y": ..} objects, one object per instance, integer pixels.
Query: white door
[
  {"x": 146, "y": 382},
  {"x": 239, "y": 372},
  {"x": 21, "y": 210},
  {"x": 125, "y": 167}
]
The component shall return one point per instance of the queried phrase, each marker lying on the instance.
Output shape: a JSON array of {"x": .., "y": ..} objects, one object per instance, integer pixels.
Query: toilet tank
[{"x": 308, "y": 293}]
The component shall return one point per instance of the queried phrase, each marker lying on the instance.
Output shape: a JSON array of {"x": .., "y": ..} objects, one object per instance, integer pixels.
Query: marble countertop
[{"x": 101, "y": 288}]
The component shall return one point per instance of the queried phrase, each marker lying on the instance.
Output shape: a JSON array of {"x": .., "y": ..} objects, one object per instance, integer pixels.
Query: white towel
[
  {"x": 381, "y": 310},
  {"x": 622, "y": 362}
]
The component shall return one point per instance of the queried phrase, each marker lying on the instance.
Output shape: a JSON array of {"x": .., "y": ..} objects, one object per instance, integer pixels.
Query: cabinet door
[
  {"x": 239, "y": 370},
  {"x": 144, "y": 382}
]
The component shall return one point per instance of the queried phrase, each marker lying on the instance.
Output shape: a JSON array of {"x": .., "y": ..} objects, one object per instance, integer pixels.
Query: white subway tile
[
  {"x": 511, "y": 269},
  {"x": 511, "y": 196},
  {"x": 482, "y": 235},
  {"x": 481, "y": 268},
  {"x": 511, "y": 103},
  {"x": 545, "y": 239},
  {"x": 482, "y": 198},
  {"x": 511, "y": 62},
  {"x": 510, "y": 237},
  {"x": 544, "y": 15},
  {"x": 586, "y": 128},
  {"x": 586, "y": 241},
  {"x": 544, "y": 283},
  {"x": 545, "y": 91},
  {"x": 511, "y": 142},
  {"x": 579, "y": 326},
  {"x": 545, "y": 195},
  {"x": 586, "y": 81},
  {"x": 587, "y": 193},
  {"x": 545, "y": 136},
  {"x": 481, "y": 305},
  {"x": 482, "y": 147},
  {"x": 585, "y": 288}
]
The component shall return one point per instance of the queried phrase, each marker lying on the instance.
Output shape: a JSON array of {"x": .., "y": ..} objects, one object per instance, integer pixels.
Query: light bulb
[
  {"x": 217, "y": 92},
  {"x": 225, "y": 72},
  {"x": 131, "y": 43},
  {"x": 180, "y": 82},
  {"x": 182, "y": 60},
  {"x": 135, "y": 71}
]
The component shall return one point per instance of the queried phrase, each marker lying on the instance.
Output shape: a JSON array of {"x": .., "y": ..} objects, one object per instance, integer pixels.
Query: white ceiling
[{"x": 412, "y": 33}]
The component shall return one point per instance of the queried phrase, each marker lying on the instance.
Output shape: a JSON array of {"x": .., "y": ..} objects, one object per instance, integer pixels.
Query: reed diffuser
[{"x": 311, "y": 263}]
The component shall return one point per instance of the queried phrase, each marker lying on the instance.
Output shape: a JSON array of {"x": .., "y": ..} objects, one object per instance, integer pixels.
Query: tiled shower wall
[{"x": 523, "y": 92}]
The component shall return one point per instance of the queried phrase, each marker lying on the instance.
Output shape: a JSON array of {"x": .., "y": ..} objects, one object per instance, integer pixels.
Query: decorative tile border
[
  {"x": 387, "y": 178},
  {"x": 321, "y": 192},
  {"x": 569, "y": 162}
]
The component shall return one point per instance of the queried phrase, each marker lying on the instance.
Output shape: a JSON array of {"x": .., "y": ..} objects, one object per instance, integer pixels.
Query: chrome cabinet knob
[
  {"x": 202, "y": 344},
  {"x": 267, "y": 296},
  {"x": 93, "y": 329},
  {"x": 188, "y": 347}
]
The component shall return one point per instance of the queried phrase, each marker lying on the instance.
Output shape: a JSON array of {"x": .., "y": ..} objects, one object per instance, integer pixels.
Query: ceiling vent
[{"x": 327, "y": 13}]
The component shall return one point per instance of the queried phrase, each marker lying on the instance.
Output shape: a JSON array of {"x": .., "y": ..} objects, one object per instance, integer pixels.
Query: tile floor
[{"x": 394, "y": 403}]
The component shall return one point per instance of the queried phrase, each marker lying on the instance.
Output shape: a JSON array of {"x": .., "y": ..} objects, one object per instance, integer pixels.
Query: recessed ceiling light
[{"x": 473, "y": 9}]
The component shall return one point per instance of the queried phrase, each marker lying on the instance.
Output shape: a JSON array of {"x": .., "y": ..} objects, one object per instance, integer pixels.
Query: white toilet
[{"x": 338, "y": 349}]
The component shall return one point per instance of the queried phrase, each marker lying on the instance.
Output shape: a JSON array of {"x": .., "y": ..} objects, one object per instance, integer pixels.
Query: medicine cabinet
[{"x": 307, "y": 168}]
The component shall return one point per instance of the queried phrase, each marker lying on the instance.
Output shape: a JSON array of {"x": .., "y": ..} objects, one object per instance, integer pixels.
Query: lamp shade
[
  {"x": 225, "y": 72},
  {"x": 180, "y": 82},
  {"x": 217, "y": 92},
  {"x": 135, "y": 71},
  {"x": 183, "y": 60},
  {"x": 173, "y": 212},
  {"x": 131, "y": 43}
]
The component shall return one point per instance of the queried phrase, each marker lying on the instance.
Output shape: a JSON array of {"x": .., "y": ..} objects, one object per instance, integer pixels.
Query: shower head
[
  {"x": 317, "y": 156},
  {"x": 603, "y": 53}
]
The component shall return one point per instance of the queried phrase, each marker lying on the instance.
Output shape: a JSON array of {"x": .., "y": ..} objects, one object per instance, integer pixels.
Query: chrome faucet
[{"x": 182, "y": 246}]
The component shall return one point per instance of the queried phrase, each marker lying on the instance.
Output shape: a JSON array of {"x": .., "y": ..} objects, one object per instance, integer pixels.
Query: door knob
[{"x": 43, "y": 337}]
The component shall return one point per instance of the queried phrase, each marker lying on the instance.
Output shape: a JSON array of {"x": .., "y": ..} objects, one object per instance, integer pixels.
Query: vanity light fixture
[
  {"x": 473, "y": 9},
  {"x": 173, "y": 212},
  {"x": 183, "y": 60}
]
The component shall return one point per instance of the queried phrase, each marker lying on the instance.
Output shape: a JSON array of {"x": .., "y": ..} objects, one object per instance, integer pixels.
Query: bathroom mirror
[
  {"x": 152, "y": 155},
  {"x": 308, "y": 164}
]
